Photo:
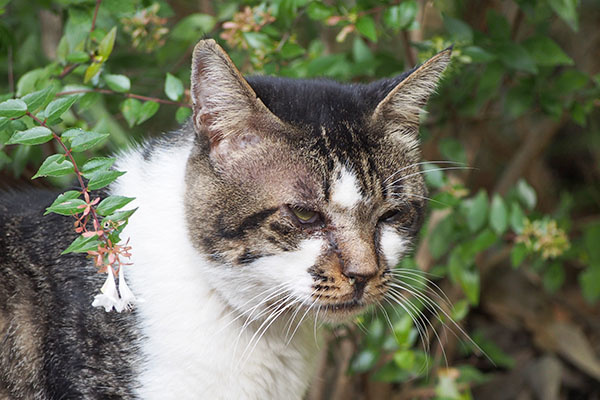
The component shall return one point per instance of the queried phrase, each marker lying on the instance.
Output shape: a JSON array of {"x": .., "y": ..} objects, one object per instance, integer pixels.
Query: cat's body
[{"x": 279, "y": 202}]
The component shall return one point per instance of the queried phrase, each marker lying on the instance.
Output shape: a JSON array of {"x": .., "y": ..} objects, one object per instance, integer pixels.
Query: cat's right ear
[{"x": 225, "y": 108}]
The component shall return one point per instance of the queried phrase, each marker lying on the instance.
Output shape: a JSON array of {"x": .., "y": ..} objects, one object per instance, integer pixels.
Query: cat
[{"x": 279, "y": 201}]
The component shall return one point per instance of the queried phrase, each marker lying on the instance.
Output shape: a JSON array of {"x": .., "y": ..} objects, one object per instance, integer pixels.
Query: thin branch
[
  {"x": 129, "y": 95},
  {"x": 408, "y": 51},
  {"x": 11, "y": 77},
  {"x": 95, "y": 15},
  {"x": 67, "y": 70}
]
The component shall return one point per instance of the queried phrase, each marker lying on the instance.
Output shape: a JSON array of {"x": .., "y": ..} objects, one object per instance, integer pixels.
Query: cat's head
[{"x": 303, "y": 194}]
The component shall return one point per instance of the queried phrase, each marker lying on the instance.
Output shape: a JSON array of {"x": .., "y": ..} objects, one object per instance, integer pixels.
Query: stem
[
  {"x": 11, "y": 77},
  {"x": 95, "y": 15},
  {"x": 84, "y": 189},
  {"x": 129, "y": 95}
]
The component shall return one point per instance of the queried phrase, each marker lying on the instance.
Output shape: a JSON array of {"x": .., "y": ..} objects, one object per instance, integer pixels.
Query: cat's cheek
[{"x": 393, "y": 245}]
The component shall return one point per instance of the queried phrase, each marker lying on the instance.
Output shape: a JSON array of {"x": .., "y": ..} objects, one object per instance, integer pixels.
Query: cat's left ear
[
  {"x": 402, "y": 106},
  {"x": 225, "y": 108}
]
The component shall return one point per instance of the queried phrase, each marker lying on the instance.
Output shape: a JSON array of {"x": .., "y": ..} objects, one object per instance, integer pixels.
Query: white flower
[
  {"x": 109, "y": 297},
  {"x": 127, "y": 297}
]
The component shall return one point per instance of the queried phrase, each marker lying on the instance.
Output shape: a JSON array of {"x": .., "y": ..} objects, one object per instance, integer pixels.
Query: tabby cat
[{"x": 280, "y": 201}]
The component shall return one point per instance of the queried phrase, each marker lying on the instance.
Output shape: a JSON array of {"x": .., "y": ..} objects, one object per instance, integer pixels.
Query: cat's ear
[
  {"x": 224, "y": 104},
  {"x": 402, "y": 106}
]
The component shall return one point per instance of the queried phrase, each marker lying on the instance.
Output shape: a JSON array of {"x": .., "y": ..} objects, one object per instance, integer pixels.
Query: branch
[
  {"x": 535, "y": 143},
  {"x": 129, "y": 95}
]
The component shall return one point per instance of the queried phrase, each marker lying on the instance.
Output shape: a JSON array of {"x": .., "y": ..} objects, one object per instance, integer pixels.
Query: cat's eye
[
  {"x": 305, "y": 216},
  {"x": 404, "y": 216}
]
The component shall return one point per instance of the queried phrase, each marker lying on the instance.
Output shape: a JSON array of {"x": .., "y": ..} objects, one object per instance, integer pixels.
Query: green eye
[{"x": 305, "y": 216}]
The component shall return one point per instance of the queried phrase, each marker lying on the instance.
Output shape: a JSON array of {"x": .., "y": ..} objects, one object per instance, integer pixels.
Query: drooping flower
[
  {"x": 127, "y": 297},
  {"x": 109, "y": 297}
]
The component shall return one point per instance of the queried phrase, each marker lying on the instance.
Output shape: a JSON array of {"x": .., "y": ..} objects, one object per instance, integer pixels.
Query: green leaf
[
  {"x": 87, "y": 140},
  {"x": 401, "y": 16},
  {"x": 567, "y": 10},
  {"x": 404, "y": 359},
  {"x": 518, "y": 254},
  {"x": 526, "y": 194},
  {"x": 546, "y": 52},
  {"x": 38, "y": 99},
  {"x": 66, "y": 206},
  {"x": 82, "y": 245},
  {"x": 441, "y": 237},
  {"x": 13, "y": 108},
  {"x": 58, "y": 107},
  {"x": 77, "y": 57},
  {"x": 118, "y": 83},
  {"x": 35, "y": 135},
  {"x": 460, "y": 309},
  {"x": 553, "y": 277},
  {"x": 318, "y": 11},
  {"x": 131, "y": 111},
  {"x": 193, "y": 26},
  {"x": 101, "y": 179},
  {"x": 366, "y": 26},
  {"x": 66, "y": 196},
  {"x": 182, "y": 114},
  {"x": 517, "y": 218},
  {"x": 173, "y": 87},
  {"x": 476, "y": 211},
  {"x": 469, "y": 282},
  {"x": 291, "y": 50},
  {"x": 91, "y": 71},
  {"x": 516, "y": 57},
  {"x": 147, "y": 110},
  {"x": 498, "y": 215},
  {"x": 459, "y": 30},
  {"x": 453, "y": 150},
  {"x": 258, "y": 40},
  {"x": 365, "y": 360},
  {"x": 121, "y": 215},
  {"x": 96, "y": 164},
  {"x": 478, "y": 55},
  {"x": 589, "y": 280},
  {"x": 55, "y": 165},
  {"x": 434, "y": 176},
  {"x": 112, "y": 203},
  {"x": 106, "y": 45},
  {"x": 570, "y": 81},
  {"x": 519, "y": 99}
]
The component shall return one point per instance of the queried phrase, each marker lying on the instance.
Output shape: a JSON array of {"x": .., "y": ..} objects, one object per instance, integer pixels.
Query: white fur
[
  {"x": 193, "y": 342},
  {"x": 393, "y": 246},
  {"x": 346, "y": 192}
]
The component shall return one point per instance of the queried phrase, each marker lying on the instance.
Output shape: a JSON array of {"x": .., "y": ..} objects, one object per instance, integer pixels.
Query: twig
[
  {"x": 95, "y": 15},
  {"x": 11, "y": 77},
  {"x": 408, "y": 52},
  {"x": 67, "y": 70},
  {"x": 534, "y": 144},
  {"x": 129, "y": 95}
]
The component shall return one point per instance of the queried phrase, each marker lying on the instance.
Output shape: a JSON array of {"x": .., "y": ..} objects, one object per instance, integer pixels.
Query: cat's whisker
[
  {"x": 308, "y": 308},
  {"x": 416, "y": 196},
  {"x": 414, "y": 276},
  {"x": 436, "y": 309},
  {"x": 402, "y": 178},
  {"x": 425, "y": 322},
  {"x": 415, "y": 314},
  {"x": 420, "y": 163},
  {"x": 293, "y": 316}
]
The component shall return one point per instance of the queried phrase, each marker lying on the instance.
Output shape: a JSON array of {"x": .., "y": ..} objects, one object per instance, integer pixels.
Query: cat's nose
[{"x": 361, "y": 271}]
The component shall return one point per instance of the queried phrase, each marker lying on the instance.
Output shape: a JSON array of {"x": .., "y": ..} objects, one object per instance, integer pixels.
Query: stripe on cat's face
[{"x": 303, "y": 194}]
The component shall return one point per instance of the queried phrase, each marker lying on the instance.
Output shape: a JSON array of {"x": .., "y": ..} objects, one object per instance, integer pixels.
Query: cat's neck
[{"x": 195, "y": 345}]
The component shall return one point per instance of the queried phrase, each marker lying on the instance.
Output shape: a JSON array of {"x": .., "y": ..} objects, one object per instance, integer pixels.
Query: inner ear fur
[
  {"x": 224, "y": 104},
  {"x": 404, "y": 103}
]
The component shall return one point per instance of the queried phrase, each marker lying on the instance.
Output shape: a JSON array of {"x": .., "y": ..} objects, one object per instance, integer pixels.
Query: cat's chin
[{"x": 342, "y": 312}]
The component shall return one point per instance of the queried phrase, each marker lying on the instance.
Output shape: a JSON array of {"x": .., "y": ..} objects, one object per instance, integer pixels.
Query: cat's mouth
[{"x": 341, "y": 311}]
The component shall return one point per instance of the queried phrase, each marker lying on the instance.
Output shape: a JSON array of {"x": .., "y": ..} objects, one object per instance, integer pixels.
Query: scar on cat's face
[{"x": 305, "y": 190}]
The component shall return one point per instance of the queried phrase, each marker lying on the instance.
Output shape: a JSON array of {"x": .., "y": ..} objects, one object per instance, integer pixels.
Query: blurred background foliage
[{"x": 512, "y": 139}]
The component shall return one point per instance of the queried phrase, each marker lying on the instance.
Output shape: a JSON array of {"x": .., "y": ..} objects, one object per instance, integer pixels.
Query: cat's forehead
[{"x": 320, "y": 103}]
